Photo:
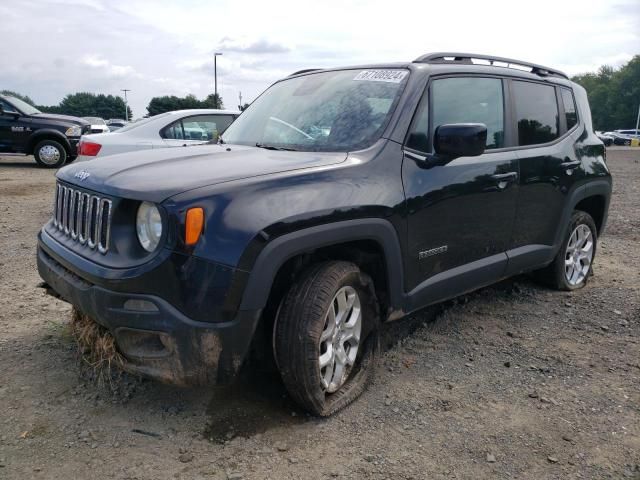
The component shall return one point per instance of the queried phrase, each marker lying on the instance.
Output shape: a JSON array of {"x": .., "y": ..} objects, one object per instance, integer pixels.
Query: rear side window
[
  {"x": 536, "y": 113},
  {"x": 174, "y": 131},
  {"x": 201, "y": 128},
  {"x": 569, "y": 108},
  {"x": 462, "y": 100}
]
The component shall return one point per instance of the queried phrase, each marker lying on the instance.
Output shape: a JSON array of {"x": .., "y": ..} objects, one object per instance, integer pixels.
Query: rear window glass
[
  {"x": 536, "y": 113},
  {"x": 569, "y": 108}
]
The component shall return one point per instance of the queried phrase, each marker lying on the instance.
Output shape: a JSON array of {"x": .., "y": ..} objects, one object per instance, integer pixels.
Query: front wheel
[
  {"x": 50, "y": 154},
  {"x": 326, "y": 339},
  {"x": 573, "y": 264}
]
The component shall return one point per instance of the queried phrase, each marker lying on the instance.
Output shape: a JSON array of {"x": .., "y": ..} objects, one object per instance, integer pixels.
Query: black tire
[
  {"x": 300, "y": 323},
  {"x": 554, "y": 274},
  {"x": 50, "y": 154}
]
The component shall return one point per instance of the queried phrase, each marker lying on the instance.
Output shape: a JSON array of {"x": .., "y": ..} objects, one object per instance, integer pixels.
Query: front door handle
[
  {"x": 505, "y": 177},
  {"x": 571, "y": 165}
]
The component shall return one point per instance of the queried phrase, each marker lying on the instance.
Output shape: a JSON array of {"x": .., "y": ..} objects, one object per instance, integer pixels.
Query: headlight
[
  {"x": 149, "y": 226},
  {"x": 74, "y": 131}
]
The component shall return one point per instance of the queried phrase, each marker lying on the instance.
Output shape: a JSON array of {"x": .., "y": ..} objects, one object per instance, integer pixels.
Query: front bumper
[
  {"x": 73, "y": 145},
  {"x": 156, "y": 339}
]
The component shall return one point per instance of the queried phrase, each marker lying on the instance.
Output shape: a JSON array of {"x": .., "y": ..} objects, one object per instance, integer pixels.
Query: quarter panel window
[
  {"x": 569, "y": 108},
  {"x": 536, "y": 113},
  {"x": 205, "y": 127},
  {"x": 173, "y": 131}
]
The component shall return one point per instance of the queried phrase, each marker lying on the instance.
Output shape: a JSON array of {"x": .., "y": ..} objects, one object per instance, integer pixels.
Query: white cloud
[
  {"x": 107, "y": 68},
  {"x": 165, "y": 48}
]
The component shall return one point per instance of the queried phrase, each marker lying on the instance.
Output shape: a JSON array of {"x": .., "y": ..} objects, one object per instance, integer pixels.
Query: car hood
[
  {"x": 59, "y": 119},
  {"x": 155, "y": 175}
]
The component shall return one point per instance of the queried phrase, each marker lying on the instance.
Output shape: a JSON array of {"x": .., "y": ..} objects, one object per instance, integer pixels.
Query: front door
[
  {"x": 460, "y": 215},
  {"x": 8, "y": 127}
]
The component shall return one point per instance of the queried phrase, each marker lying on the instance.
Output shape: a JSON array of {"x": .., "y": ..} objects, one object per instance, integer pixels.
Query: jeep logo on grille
[{"x": 82, "y": 175}]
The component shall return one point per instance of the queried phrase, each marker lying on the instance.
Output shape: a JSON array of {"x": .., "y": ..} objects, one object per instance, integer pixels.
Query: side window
[
  {"x": 205, "y": 127},
  {"x": 173, "y": 131},
  {"x": 7, "y": 107},
  {"x": 462, "y": 100},
  {"x": 569, "y": 108},
  {"x": 536, "y": 112}
]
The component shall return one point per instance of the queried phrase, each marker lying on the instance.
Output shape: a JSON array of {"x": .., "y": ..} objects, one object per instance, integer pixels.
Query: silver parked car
[{"x": 180, "y": 128}]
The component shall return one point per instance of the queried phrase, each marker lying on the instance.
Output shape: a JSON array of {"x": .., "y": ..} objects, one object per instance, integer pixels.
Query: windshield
[
  {"x": 95, "y": 120},
  {"x": 24, "y": 107},
  {"x": 342, "y": 110}
]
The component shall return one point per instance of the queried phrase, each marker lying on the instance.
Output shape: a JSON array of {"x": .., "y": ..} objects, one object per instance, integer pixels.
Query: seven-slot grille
[{"x": 83, "y": 217}]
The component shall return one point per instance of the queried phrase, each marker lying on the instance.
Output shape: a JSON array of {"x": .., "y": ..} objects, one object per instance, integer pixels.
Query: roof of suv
[{"x": 455, "y": 62}]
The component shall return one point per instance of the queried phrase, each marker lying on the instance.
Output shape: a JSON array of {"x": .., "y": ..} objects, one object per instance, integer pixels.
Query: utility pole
[
  {"x": 215, "y": 76},
  {"x": 126, "y": 107},
  {"x": 638, "y": 119},
  {"x": 240, "y": 98}
]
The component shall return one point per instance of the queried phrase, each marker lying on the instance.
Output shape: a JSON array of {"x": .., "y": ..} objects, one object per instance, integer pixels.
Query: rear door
[
  {"x": 460, "y": 215},
  {"x": 550, "y": 168}
]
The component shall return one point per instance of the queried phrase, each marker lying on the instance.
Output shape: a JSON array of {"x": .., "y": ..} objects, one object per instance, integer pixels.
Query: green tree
[
  {"x": 168, "y": 103},
  {"x": 242, "y": 108},
  {"x": 85, "y": 104},
  {"x": 213, "y": 101},
  {"x": 24, "y": 98},
  {"x": 614, "y": 95}
]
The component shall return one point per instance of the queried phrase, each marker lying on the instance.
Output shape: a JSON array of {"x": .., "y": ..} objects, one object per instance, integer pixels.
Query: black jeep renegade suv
[
  {"x": 339, "y": 200},
  {"x": 52, "y": 139}
]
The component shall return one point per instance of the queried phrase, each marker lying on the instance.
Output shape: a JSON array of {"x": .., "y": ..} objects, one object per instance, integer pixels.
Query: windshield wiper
[{"x": 274, "y": 147}]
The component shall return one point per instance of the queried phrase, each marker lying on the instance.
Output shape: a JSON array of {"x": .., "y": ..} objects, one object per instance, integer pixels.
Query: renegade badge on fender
[{"x": 341, "y": 199}]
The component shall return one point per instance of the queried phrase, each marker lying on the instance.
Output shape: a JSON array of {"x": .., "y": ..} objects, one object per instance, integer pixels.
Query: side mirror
[
  {"x": 460, "y": 140},
  {"x": 8, "y": 113}
]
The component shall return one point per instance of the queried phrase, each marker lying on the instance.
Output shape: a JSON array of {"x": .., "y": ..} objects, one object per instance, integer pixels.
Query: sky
[{"x": 49, "y": 48}]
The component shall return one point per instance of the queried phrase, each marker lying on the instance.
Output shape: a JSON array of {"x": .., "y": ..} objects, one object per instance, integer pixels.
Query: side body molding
[{"x": 278, "y": 251}]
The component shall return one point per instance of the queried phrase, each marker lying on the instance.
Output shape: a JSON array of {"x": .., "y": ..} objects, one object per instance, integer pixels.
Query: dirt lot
[{"x": 513, "y": 381}]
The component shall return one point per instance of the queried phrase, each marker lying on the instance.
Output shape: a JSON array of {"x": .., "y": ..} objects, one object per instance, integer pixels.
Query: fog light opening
[
  {"x": 138, "y": 305},
  {"x": 144, "y": 344}
]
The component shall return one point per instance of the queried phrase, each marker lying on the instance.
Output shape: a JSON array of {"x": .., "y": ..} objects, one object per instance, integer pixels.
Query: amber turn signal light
[{"x": 193, "y": 225}]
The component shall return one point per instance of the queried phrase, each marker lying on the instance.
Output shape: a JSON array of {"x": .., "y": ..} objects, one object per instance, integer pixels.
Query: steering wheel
[{"x": 292, "y": 127}]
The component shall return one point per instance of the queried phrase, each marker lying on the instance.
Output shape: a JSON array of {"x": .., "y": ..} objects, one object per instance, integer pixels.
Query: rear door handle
[{"x": 571, "y": 165}]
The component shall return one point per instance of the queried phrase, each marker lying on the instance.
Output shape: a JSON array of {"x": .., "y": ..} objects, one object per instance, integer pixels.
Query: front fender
[
  {"x": 278, "y": 251},
  {"x": 43, "y": 133}
]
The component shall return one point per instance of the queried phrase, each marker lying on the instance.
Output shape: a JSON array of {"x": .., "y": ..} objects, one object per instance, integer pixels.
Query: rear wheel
[
  {"x": 326, "y": 337},
  {"x": 573, "y": 264},
  {"x": 50, "y": 154}
]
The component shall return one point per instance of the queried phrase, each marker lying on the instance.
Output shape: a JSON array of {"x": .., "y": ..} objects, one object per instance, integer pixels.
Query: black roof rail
[
  {"x": 467, "y": 59},
  {"x": 306, "y": 70}
]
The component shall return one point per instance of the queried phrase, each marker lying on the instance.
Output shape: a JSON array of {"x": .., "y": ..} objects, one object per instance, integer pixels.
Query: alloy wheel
[
  {"x": 340, "y": 339},
  {"x": 578, "y": 255}
]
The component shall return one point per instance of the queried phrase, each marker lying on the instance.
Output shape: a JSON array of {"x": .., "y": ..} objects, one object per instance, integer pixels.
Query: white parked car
[
  {"x": 98, "y": 125},
  {"x": 180, "y": 128}
]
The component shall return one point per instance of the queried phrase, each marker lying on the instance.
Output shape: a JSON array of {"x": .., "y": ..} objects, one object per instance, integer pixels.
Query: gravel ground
[{"x": 512, "y": 381}]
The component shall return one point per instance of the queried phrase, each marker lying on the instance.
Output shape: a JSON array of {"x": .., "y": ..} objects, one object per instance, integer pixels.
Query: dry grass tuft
[{"x": 96, "y": 348}]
